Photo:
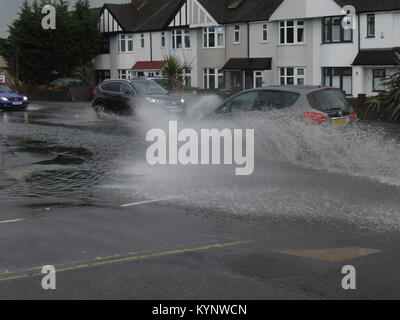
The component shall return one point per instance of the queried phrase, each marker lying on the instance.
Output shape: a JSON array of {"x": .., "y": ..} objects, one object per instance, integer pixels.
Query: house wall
[{"x": 313, "y": 55}]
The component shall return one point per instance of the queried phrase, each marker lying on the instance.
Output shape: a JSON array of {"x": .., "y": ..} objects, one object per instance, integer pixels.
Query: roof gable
[
  {"x": 192, "y": 14},
  {"x": 303, "y": 9}
]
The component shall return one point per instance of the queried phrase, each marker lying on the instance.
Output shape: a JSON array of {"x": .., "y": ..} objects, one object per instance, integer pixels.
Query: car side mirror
[{"x": 129, "y": 93}]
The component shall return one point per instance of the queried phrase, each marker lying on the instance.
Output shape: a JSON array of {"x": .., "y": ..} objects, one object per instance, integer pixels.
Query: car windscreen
[
  {"x": 148, "y": 88},
  {"x": 5, "y": 89},
  {"x": 329, "y": 100}
]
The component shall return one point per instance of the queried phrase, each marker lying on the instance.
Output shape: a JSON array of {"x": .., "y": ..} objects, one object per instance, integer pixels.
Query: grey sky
[{"x": 10, "y": 8}]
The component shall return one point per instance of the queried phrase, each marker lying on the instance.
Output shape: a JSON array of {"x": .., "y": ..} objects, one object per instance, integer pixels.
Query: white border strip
[
  {"x": 11, "y": 221},
  {"x": 147, "y": 201}
]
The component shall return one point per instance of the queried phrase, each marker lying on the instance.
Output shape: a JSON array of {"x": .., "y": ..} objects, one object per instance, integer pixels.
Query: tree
[
  {"x": 37, "y": 56},
  {"x": 172, "y": 71},
  {"x": 388, "y": 101}
]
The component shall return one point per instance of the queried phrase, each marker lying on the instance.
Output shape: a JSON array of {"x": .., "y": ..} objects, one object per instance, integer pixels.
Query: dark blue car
[{"x": 11, "y": 100}]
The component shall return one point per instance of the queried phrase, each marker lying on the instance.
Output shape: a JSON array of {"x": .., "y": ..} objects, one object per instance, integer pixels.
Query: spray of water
[{"x": 302, "y": 170}]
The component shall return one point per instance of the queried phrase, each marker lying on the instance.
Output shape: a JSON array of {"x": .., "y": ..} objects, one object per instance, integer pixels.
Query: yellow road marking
[
  {"x": 25, "y": 273},
  {"x": 333, "y": 255},
  {"x": 147, "y": 202}
]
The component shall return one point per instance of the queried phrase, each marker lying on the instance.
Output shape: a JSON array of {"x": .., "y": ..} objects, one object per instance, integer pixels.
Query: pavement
[{"x": 76, "y": 194}]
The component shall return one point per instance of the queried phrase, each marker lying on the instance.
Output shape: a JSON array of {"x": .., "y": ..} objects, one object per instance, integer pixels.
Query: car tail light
[
  {"x": 94, "y": 91},
  {"x": 315, "y": 117},
  {"x": 353, "y": 114},
  {"x": 327, "y": 89}
]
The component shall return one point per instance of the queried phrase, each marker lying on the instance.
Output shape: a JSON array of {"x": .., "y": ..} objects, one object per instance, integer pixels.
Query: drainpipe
[
  {"x": 248, "y": 40},
  {"x": 151, "y": 47}
]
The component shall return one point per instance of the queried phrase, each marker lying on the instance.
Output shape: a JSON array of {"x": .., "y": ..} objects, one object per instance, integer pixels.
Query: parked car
[
  {"x": 12, "y": 100},
  {"x": 123, "y": 96},
  {"x": 314, "y": 103},
  {"x": 67, "y": 83}
]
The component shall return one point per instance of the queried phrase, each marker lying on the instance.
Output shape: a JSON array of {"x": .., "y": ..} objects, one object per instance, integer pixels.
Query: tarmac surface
[{"x": 77, "y": 194}]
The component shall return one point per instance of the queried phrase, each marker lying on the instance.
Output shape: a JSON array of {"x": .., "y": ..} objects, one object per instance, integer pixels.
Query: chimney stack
[{"x": 138, "y": 3}]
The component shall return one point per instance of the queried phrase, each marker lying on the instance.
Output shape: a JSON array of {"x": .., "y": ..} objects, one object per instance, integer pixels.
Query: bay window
[
  {"x": 333, "y": 31},
  {"x": 339, "y": 78}
]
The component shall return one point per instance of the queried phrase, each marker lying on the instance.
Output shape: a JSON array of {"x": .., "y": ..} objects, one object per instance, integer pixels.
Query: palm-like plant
[
  {"x": 388, "y": 101},
  {"x": 172, "y": 71}
]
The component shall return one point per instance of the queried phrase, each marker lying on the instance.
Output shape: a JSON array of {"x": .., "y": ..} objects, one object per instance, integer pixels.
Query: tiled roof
[
  {"x": 154, "y": 15},
  {"x": 247, "y": 11},
  {"x": 371, "y": 5},
  {"x": 148, "y": 65},
  {"x": 248, "y": 64}
]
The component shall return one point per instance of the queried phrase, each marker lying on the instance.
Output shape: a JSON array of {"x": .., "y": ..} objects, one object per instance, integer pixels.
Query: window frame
[
  {"x": 285, "y": 26},
  {"x": 206, "y": 37},
  {"x": 142, "y": 40},
  {"x": 163, "y": 39},
  {"x": 374, "y": 77},
  {"x": 371, "y": 23},
  {"x": 296, "y": 76},
  {"x": 126, "y": 40},
  {"x": 264, "y": 32},
  {"x": 183, "y": 34},
  {"x": 327, "y": 31},
  {"x": 341, "y": 75},
  {"x": 236, "y": 34},
  {"x": 217, "y": 74}
]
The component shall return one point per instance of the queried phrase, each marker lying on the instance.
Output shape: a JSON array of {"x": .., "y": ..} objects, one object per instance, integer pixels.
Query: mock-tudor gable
[
  {"x": 108, "y": 23},
  {"x": 192, "y": 14}
]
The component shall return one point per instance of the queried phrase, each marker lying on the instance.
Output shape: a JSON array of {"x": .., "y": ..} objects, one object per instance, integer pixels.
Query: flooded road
[{"x": 313, "y": 188}]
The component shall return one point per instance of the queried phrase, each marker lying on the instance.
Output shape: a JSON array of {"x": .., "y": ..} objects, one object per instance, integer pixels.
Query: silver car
[{"x": 315, "y": 103}]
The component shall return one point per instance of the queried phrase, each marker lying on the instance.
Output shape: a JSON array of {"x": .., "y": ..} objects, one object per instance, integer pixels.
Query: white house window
[
  {"x": 371, "y": 25},
  {"x": 180, "y": 39},
  {"x": 237, "y": 35},
  {"x": 162, "y": 39},
  {"x": 126, "y": 43},
  {"x": 379, "y": 76},
  {"x": 333, "y": 31},
  {"x": 258, "y": 79},
  {"x": 125, "y": 74},
  {"x": 291, "y": 32},
  {"x": 265, "y": 32},
  {"x": 187, "y": 77},
  {"x": 214, "y": 37},
  {"x": 292, "y": 76},
  {"x": 213, "y": 78},
  {"x": 339, "y": 78},
  {"x": 142, "y": 40}
]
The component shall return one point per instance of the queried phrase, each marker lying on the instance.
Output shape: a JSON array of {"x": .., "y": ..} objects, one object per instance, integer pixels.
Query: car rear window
[
  {"x": 329, "y": 100},
  {"x": 272, "y": 100},
  {"x": 111, "y": 86}
]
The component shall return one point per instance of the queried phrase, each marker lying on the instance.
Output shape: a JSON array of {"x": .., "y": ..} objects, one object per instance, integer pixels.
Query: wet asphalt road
[{"x": 76, "y": 193}]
